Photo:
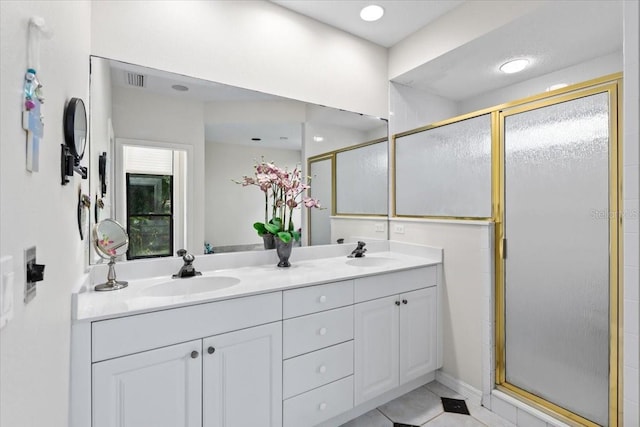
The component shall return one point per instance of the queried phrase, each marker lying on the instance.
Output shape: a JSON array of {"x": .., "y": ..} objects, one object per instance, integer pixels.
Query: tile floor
[{"x": 423, "y": 407}]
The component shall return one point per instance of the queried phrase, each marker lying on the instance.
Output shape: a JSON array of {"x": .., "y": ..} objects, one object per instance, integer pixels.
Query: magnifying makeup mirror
[{"x": 110, "y": 241}]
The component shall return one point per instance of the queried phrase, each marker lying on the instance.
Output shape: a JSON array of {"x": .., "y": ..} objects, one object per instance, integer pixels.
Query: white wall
[
  {"x": 252, "y": 44},
  {"x": 230, "y": 209},
  {"x": 36, "y": 210},
  {"x": 99, "y": 121},
  {"x": 631, "y": 214},
  {"x": 412, "y": 108},
  {"x": 151, "y": 117}
]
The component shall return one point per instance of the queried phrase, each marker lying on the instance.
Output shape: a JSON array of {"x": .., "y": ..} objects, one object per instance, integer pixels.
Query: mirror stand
[
  {"x": 111, "y": 284},
  {"x": 68, "y": 165}
]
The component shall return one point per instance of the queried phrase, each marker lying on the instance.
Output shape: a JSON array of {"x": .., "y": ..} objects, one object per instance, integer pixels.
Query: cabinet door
[
  {"x": 160, "y": 388},
  {"x": 417, "y": 333},
  {"x": 242, "y": 378},
  {"x": 376, "y": 347}
]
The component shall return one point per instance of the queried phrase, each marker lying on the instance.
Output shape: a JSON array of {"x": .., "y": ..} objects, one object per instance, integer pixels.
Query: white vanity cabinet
[
  {"x": 208, "y": 382},
  {"x": 160, "y": 388},
  {"x": 297, "y": 355},
  {"x": 318, "y": 353},
  {"x": 395, "y": 330}
]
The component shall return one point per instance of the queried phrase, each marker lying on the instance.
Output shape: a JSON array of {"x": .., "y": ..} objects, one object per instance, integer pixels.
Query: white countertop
[{"x": 254, "y": 279}]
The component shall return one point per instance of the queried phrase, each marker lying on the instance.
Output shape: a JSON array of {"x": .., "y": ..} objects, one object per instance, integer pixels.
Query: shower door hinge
[{"x": 503, "y": 249}]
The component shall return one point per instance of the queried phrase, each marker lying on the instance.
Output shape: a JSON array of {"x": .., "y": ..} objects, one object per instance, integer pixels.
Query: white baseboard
[{"x": 473, "y": 394}]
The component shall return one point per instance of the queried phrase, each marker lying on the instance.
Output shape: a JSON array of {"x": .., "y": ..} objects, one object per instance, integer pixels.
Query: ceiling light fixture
[
  {"x": 318, "y": 138},
  {"x": 514, "y": 66},
  {"x": 371, "y": 13}
]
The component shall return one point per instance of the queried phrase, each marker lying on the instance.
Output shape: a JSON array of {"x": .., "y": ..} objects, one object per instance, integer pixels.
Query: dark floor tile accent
[
  {"x": 456, "y": 406},
  {"x": 403, "y": 425}
]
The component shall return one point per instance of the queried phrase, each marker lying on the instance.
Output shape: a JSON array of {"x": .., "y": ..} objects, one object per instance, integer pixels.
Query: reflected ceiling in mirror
[{"x": 223, "y": 130}]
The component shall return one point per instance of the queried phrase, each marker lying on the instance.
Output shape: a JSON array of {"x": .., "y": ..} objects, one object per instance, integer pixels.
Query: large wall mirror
[{"x": 171, "y": 147}]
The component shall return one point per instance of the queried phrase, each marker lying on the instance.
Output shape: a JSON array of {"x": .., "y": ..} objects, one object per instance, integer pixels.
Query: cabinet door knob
[
  {"x": 211, "y": 350},
  {"x": 397, "y": 303},
  {"x": 404, "y": 301},
  {"x": 322, "y": 406},
  {"x": 322, "y": 298},
  {"x": 322, "y": 369},
  {"x": 194, "y": 354},
  {"x": 323, "y": 331}
]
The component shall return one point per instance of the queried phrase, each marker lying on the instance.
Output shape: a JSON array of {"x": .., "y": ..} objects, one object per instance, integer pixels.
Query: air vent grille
[{"x": 135, "y": 79}]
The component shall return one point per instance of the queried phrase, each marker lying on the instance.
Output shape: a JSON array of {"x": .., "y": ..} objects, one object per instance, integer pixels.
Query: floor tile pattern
[{"x": 423, "y": 407}]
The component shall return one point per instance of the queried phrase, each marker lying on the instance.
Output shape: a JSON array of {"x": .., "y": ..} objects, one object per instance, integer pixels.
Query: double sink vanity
[{"x": 252, "y": 344}]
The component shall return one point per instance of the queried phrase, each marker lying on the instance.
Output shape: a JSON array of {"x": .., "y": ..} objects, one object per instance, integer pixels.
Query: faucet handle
[{"x": 182, "y": 252}]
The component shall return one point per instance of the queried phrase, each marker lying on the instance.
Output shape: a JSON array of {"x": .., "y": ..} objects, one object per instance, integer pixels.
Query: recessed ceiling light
[
  {"x": 318, "y": 138},
  {"x": 514, "y": 66},
  {"x": 371, "y": 13},
  {"x": 180, "y": 88},
  {"x": 556, "y": 86}
]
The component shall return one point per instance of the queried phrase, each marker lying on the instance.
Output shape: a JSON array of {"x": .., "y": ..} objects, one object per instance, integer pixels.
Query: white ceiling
[{"x": 401, "y": 17}]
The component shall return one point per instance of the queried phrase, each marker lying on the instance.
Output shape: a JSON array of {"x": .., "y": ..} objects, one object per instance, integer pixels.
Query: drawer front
[
  {"x": 312, "y": 299},
  {"x": 316, "y": 369},
  {"x": 319, "y": 405},
  {"x": 132, "y": 334},
  {"x": 382, "y": 285},
  {"x": 314, "y": 331}
]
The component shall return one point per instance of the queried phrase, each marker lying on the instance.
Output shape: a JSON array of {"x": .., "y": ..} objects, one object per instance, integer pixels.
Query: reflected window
[{"x": 149, "y": 215}]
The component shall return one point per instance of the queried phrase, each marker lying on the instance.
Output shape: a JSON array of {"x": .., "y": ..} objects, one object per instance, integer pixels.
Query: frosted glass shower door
[
  {"x": 320, "y": 219},
  {"x": 556, "y": 271}
]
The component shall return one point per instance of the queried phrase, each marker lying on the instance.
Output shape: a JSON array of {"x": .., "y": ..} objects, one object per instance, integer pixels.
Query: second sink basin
[
  {"x": 190, "y": 286},
  {"x": 369, "y": 262}
]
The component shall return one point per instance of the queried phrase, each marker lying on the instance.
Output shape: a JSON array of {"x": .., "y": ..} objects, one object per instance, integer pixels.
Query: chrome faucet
[
  {"x": 187, "y": 270},
  {"x": 359, "y": 251}
]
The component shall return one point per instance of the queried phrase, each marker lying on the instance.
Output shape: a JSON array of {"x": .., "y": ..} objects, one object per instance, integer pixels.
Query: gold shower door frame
[{"x": 612, "y": 85}]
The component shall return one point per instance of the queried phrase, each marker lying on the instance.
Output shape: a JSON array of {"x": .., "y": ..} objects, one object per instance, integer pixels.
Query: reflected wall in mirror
[{"x": 208, "y": 134}]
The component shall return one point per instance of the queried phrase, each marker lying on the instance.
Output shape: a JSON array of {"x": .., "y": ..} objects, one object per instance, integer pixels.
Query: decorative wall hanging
[{"x": 32, "y": 119}]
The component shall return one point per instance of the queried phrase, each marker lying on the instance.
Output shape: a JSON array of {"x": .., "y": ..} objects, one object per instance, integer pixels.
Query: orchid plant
[{"x": 286, "y": 191}]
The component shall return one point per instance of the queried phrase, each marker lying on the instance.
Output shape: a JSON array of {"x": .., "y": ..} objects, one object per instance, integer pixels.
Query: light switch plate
[{"x": 6, "y": 290}]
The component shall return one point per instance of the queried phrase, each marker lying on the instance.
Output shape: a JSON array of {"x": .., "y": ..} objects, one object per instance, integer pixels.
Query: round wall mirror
[
  {"x": 75, "y": 128},
  {"x": 110, "y": 240}
]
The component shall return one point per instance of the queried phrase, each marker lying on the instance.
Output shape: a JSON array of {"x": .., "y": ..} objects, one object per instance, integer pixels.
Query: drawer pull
[
  {"x": 397, "y": 303},
  {"x": 211, "y": 350},
  {"x": 323, "y": 331},
  {"x": 322, "y": 299},
  {"x": 404, "y": 301},
  {"x": 322, "y": 369},
  {"x": 194, "y": 354},
  {"x": 322, "y": 406}
]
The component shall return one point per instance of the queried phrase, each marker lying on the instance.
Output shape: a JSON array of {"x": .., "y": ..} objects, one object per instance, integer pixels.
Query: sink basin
[
  {"x": 369, "y": 262},
  {"x": 190, "y": 286}
]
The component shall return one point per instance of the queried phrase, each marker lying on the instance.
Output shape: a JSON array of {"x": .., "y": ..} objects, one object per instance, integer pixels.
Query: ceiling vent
[{"x": 135, "y": 79}]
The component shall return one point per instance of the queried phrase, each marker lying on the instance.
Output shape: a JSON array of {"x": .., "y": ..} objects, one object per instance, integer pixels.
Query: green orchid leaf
[
  {"x": 272, "y": 228},
  {"x": 296, "y": 235},
  {"x": 260, "y": 228},
  {"x": 285, "y": 236}
]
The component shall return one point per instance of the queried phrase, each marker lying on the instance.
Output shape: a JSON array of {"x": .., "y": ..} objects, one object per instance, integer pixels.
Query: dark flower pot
[
  {"x": 269, "y": 241},
  {"x": 284, "y": 252}
]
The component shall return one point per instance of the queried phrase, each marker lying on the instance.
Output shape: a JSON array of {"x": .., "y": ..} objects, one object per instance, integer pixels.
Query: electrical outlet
[
  {"x": 379, "y": 227},
  {"x": 398, "y": 228}
]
